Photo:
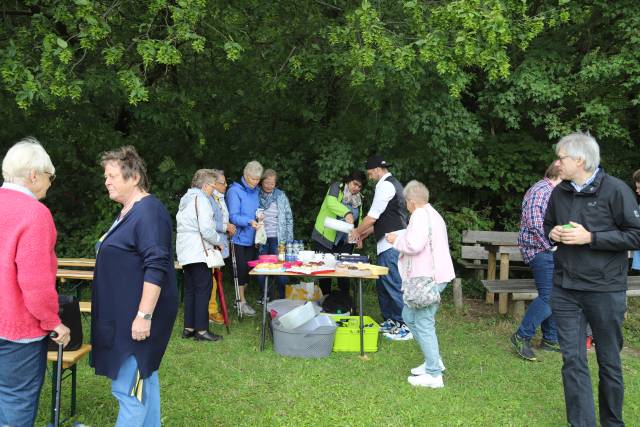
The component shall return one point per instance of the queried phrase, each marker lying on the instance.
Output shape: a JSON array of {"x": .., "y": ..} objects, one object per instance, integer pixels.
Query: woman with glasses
[
  {"x": 343, "y": 201},
  {"x": 278, "y": 222},
  {"x": 28, "y": 302},
  {"x": 196, "y": 231},
  {"x": 225, "y": 230}
]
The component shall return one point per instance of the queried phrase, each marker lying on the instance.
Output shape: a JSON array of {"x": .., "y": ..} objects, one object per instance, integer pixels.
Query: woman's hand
[
  {"x": 349, "y": 218},
  {"x": 254, "y": 224},
  {"x": 140, "y": 329},
  {"x": 63, "y": 334},
  {"x": 391, "y": 237},
  {"x": 231, "y": 229}
]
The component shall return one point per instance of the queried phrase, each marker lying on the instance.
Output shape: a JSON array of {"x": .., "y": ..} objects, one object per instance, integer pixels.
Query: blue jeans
[
  {"x": 605, "y": 312},
  {"x": 134, "y": 413},
  {"x": 539, "y": 311},
  {"x": 422, "y": 324},
  {"x": 389, "y": 286},
  {"x": 271, "y": 248},
  {"x": 22, "y": 368}
]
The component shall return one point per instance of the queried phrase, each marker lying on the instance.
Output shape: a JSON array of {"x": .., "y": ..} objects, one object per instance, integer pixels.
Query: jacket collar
[{"x": 590, "y": 189}]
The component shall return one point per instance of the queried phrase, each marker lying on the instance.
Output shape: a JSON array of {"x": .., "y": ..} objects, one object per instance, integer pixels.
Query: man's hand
[
  {"x": 391, "y": 237},
  {"x": 576, "y": 235},
  {"x": 354, "y": 236},
  {"x": 359, "y": 244},
  {"x": 231, "y": 229},
  {"x": 556, "y": 233}
]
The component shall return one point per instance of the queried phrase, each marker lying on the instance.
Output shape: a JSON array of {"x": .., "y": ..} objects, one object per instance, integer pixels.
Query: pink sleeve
[
  {"x": 416, "y": 237},
  {"x": 36, "y": 265}
]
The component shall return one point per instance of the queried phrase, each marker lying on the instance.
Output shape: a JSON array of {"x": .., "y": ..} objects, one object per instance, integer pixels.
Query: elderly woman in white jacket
[
  {"x": 196, "y": 230},
  {"x": 424, "y": 252}
]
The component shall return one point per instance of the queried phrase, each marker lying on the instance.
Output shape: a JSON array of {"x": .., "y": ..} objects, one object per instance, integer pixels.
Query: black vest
[{"x": 394, "y": 217}]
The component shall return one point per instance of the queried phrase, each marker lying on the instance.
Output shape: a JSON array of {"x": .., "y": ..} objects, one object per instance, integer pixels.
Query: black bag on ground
[
  {"x": 337, "y": 303},
  {"x": 69, "y": 312}
]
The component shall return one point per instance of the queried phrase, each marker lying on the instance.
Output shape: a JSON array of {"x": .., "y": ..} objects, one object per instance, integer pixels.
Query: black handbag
[{"x": 69, "y": 312}]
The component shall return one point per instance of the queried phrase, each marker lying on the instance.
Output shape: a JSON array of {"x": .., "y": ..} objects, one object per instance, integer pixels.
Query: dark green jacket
[{"x": 332, "y": 207}]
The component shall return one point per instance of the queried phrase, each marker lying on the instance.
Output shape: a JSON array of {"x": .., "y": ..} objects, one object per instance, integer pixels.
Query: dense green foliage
[{"x": 465, "y": 95}]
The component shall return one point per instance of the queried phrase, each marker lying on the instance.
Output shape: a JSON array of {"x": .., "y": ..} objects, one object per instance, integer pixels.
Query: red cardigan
[{"x": 28, "y": 297}]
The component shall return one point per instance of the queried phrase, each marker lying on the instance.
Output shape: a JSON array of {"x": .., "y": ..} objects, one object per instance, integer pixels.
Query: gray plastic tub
[{"x": 314, "y": 339}]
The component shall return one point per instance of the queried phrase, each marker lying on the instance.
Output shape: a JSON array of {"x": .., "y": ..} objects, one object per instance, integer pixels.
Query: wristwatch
[{"x": 145, "y": 316}]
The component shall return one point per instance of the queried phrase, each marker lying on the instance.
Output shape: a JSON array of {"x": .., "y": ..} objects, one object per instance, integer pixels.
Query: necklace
[{"x": 130, "y": 204}]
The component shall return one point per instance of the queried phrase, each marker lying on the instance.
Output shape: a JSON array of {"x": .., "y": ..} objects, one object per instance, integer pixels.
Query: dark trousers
[
  {"x": 198, "y": 281},
  {"x": 605, "y": 312},
  {"x": 343, "y": 282}
]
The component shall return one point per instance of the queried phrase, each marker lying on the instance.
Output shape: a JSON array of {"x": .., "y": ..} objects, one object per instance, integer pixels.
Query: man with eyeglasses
[{"x": 593, "y": 219}]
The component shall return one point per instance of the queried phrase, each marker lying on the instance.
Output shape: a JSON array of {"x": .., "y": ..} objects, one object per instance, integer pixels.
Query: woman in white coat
[{"x": 196, "y": 230}]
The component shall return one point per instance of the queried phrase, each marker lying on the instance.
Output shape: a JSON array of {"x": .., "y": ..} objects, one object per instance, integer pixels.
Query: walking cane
[
  {"x": 217, "y": 274},
  {"x": 56, "y": 408},
  {"x": 235, "y": 281}
]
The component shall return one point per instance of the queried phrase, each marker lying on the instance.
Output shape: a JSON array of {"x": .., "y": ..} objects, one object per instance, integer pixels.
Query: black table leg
[
  {"x": 361, "y": 317},
  {"x": 263, "y": 333}
]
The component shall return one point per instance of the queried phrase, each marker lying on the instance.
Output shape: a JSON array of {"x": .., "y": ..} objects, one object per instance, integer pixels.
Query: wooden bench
[
  {"x": 69, "y": 362},
  {"x": 520, "y": 290}
]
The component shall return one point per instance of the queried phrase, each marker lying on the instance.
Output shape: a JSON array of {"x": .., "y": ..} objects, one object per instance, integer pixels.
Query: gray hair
[
  {"x": 25, "y": 156},
  {"x": 416, "y": 191},
  {"x": 202, "y": 177},
  {"x": 268, "y": 173},
  {"x": 583, "y": 146},
  {"x": 253, "y": 169},
  {"x": 217, "y": 174},
  {"x": 130, "y": 164}
]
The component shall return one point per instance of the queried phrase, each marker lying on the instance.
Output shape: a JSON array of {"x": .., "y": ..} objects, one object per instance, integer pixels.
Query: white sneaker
[
  {"x": 246, "y": 309},
  {"x": 420, "y": 370},
  {"x": 401, "y": 334},
  {"x": 426, "y": 381}
]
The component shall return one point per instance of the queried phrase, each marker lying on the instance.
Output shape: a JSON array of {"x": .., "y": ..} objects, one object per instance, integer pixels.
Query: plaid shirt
[{"x": 532, "y": 239}]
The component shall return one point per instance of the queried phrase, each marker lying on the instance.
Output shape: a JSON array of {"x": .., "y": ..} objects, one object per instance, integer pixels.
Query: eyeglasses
[
  {"x": 52, "y": 176},
  {"x": 222, "y": 183},
  {"x": 562, "y": 158}
]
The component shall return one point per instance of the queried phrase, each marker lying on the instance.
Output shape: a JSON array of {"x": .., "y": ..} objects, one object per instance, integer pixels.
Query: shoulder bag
[
  {"x": 213, "y": 257},
  {"x": 420, "y": 292}
]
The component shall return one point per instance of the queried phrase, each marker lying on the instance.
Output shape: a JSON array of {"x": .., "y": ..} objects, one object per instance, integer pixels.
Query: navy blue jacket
[
  {"x": 242, "y": 202},
  {"x": 136, "y": 250}
]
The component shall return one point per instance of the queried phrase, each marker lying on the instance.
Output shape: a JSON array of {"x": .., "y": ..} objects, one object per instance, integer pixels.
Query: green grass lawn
[{"x": 231, "y": 383}]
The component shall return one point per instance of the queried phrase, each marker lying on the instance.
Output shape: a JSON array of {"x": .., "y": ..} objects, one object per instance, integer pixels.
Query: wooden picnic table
[
  {"x": 89, "y": 263},
  {"x": 504, "y": 248},
  {"x": 64, "y": 274},
  {"x": 355, "y": 274}
]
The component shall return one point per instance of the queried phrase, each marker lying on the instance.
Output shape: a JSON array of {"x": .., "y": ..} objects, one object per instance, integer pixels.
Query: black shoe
[
  {"x": 206, "y": 336},
  {"x": 186, "y": 333},
  {"x": 523, "y": 347},
  {"x": 549, "y": 345}
]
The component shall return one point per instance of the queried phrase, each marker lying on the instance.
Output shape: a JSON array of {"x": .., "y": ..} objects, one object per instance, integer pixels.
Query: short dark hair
[
  {"x": 130, "y": 162},
  {"x": 636, "y": 176},
  {"x": 356, "y": 175}
]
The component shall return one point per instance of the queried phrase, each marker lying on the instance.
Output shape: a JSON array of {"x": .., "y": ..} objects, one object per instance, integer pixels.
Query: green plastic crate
[{"x": 348, "y": 335}]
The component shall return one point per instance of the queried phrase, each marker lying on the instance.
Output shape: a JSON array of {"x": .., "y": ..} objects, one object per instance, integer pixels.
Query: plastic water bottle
[
  {"x": 281, "y": 251},
  {"x": 289, "y": 251}
]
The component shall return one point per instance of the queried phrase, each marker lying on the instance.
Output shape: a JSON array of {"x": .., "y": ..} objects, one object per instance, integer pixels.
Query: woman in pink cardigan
[
  {"x": 28, "y": 298},
  {"x": 424, "y": 252}
]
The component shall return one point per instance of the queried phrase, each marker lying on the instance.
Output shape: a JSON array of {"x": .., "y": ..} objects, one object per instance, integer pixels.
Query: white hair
[
  {"x": 583, "y": 146},
  {"x": 253, "y": 169},
  {"x": 25, "y": 156},
  {"x": 416, "y": 191}
]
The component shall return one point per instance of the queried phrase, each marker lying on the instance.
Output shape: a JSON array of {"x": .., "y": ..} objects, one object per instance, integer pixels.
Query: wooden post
[
  {"x": 491, "y": 274},
  {"x": 457, "y": 293}
]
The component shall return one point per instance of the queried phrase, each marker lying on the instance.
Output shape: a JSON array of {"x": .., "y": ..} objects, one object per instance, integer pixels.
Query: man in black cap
[{"x": 387, "y": 214}]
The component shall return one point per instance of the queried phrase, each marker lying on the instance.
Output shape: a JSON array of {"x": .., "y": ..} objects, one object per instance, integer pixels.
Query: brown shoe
[{"x": 216, "y": 318}]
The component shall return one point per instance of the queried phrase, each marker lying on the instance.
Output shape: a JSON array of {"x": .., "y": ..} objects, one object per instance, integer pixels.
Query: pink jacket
[
  {"x": 28, "y": 297},
  {"x": 414, "y": 247}
]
